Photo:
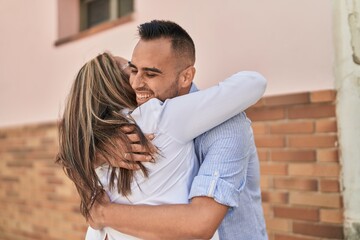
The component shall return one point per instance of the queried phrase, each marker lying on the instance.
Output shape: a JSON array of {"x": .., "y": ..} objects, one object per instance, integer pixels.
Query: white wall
[
  {"x": 348, "y": 111},
  {"x": 289, "y": 41}
]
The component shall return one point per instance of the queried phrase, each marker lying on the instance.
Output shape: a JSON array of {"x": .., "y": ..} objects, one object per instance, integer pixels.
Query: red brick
[
  {"x": 292, "y": 237},
  {"x": 312, "y": 170},
  {"x": 270, "y": 141},
  {"x": 55, "y": 180},
  {"x": 316, "y": 200},
  {"x": 293, "y": 155},
  {"x": 259, "y": 128},
  {"x": 273, "y": 169},
  {"x": 292, "y": 127},
  {"x": 259, "y": 104},
  {"x": 289, "y": 99},
  {"x": 327, "y": 155},
  {"x": 9, "y": 180},
  {"x": 327, "y": 125},
  {"x": 80, "y": 228},
  {"x": 261, "y": 114},
  {"x": 263, "y": 154},
  {"x": 20, "y": 164},
  {"x": 296, "y": 184},
  {"x": 40, "y": 229},
  {"x": 30, "y": 235},
  {"x": 323, "y": 96},
  {"x": 332, "y": 215},
  {"x": 275, "y": 197},
  {"x": 319, "y": 230},
  {"x": 266, "y": 182},
  {"x": 296, "y": 213},
  {"x": 329, "y": 185},
  {"x": 311, "y": 111},
  {"x": 267, "y": 209},
  {"x": 312, "y": 141},
  {"x": 277, "y": 224}
]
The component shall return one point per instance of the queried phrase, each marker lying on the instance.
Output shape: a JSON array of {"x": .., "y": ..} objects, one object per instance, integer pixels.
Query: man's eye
[
  {"x": 133, "y": 70},
  {"x": 150, "y": 75}
]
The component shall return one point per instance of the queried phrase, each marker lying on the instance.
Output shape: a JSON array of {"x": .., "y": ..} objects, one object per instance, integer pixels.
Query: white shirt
[{"x": 176, "y": 122}]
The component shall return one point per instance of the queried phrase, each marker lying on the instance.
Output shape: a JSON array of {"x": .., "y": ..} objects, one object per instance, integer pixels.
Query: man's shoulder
[
  {"x": 237, "y": 122},
  {"x": 234, "y": 135},
  {"x": 234, "y": 126}
]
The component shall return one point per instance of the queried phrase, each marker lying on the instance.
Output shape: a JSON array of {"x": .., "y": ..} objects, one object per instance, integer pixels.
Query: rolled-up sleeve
[{"x": 223, "y": 153}]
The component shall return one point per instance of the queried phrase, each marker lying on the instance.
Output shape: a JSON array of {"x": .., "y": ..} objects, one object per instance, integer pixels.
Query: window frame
[{"x": 113, "y": 21}]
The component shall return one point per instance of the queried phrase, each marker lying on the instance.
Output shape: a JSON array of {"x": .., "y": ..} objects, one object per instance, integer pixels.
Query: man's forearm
[{"x": 197, "y": 220}]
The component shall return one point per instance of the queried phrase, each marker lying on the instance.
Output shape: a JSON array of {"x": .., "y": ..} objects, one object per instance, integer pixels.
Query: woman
[{"x": 101, "y": 100}]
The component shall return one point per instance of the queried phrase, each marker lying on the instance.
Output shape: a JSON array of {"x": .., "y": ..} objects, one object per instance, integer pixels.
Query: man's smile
[{"x": 142, "y": 97}]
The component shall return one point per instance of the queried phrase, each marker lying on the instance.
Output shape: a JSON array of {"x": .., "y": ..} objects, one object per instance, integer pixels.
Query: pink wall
[
  {"x": 68, "y": 17},
  {"x": 289, "y": 41}
]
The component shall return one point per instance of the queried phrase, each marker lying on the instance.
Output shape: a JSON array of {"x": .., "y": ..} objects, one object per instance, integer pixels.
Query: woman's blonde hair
[{"x": 90, "y": 124}]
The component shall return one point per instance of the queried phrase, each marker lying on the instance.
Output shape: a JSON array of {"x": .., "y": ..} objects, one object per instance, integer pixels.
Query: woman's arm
[{"x": 190, "y": 115}]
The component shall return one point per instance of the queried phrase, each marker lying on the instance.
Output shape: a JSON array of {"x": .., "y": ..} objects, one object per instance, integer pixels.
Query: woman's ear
[{"x": 187, "y": 76}]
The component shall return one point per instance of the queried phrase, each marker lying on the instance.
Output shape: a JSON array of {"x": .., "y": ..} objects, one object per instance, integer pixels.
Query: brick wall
[
  {"x": 36, "y": 199},
  {"x": 296, "y": 139},
  {"x": 296, "y": 136}
]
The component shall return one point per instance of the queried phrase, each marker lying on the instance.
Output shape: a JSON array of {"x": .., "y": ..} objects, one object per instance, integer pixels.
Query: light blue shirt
[{"x": 229, "y": 173}]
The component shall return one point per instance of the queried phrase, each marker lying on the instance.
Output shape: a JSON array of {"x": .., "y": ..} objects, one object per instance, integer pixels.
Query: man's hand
[
  {"x": 138, "y": 152},
  {"x": 96, "y": 220},
  {"x": 123, "y": 64}
]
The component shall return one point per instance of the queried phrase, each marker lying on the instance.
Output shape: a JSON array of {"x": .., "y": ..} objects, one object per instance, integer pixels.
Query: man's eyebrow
[
  {"x": 131, "y": 65},
  {"x": 150, "y": 69}
]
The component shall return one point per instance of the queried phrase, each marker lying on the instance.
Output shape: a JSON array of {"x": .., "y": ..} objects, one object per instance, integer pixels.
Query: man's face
[{"x": 154, "y": 73}]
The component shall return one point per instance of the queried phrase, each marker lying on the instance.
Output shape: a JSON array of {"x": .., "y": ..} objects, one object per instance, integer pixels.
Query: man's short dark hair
[{"x": 182, "y": 43}]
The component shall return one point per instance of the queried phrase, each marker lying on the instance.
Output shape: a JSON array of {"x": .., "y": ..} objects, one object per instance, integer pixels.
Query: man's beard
[{"x": 173, "y": 90}]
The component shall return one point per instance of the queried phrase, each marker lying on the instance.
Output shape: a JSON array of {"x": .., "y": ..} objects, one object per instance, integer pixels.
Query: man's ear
[{"x": 187, "y": 76}]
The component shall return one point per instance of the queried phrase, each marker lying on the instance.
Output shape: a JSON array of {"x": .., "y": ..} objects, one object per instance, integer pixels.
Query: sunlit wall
[{"x": 289, "y": 41}]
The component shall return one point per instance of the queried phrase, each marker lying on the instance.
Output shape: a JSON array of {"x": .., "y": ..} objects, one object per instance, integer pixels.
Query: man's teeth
[{"x": 143, "y": 96}]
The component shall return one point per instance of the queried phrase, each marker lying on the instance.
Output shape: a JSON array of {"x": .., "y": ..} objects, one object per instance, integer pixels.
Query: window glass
[{"x": 97, "y": 12}]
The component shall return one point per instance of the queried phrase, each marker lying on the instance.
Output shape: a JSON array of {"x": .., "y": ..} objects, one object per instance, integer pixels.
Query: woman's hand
[{"x": 123, "y": 64}]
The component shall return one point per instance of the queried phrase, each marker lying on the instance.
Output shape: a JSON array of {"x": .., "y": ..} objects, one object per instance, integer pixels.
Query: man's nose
[{"x": 136, "y": 80}]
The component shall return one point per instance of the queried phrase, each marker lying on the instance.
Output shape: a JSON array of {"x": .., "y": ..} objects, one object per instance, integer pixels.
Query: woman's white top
[{"x": 175, "y": 123}]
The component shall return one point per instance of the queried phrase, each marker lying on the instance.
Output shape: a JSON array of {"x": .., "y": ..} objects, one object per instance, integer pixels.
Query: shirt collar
[{"x": 193, "y": 88}]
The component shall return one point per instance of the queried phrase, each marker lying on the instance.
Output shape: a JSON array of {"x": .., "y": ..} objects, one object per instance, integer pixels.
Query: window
[
  {"x": 81, "y": 18},
  {"x": 94, "y": 12}
]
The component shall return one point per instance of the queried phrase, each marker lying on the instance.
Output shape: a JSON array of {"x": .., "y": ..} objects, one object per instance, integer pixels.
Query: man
[{"x": 225, "y": 195}]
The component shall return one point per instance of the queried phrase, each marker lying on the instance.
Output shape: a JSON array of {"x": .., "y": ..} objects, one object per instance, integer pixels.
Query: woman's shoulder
[
  {"x": 149, "y": 111},
  {"x": 150, "y": 105}
]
